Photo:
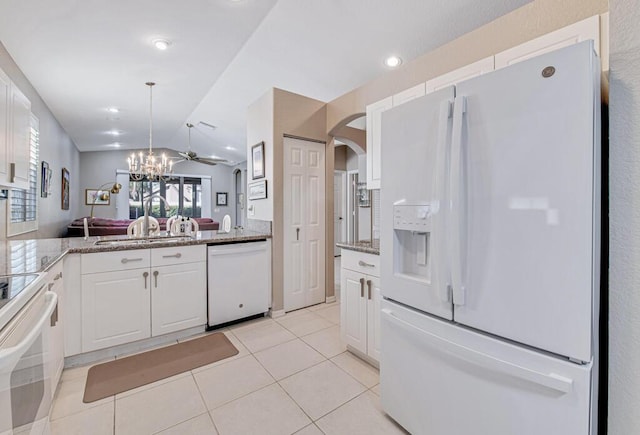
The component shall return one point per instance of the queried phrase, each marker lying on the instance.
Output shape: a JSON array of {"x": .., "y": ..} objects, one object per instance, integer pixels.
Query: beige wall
[
  {"x": 340, "y": 161},
  {"x": 523, "y": 24},
  {"x": 283, "y": 113},
  {"x": 57, "y": 149}
]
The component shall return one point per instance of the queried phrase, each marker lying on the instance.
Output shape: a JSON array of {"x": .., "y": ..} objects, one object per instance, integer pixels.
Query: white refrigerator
[{"x": 490, "y": 217}]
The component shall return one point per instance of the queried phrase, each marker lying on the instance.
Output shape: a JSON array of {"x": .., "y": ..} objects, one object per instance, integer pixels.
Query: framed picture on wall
[
  {"x": 258, "y": 190},
  {"x": 65, "y": 189},
  {"x": 221, "y": 198},
  {"x": 96, "y": 197},
  {"x": 257, "y": 161},
  {"x": 44, "y": 179}
]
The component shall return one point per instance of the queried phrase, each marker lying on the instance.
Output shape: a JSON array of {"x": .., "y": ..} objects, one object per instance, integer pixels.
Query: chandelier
[{"x": 149, "y": 166}]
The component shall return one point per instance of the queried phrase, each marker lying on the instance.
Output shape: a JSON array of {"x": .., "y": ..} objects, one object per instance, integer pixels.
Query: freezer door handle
[
  {"x": 456, "y": 220},
  {"x": 550, "y": 380}
]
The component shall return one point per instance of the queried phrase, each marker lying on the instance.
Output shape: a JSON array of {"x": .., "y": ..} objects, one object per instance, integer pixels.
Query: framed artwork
[
  {"x": 65, "y": 189},
  {"x": 257, "y": 161},
  {"x": 221, "y": 198},
  {"x": 96, "y": 197},
  {"x": 258, "y": 190},
  {"x": 45, "y": 179}
]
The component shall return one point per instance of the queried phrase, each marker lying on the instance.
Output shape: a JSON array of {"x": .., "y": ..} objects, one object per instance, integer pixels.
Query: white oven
[{"x": 25, "y": 361}]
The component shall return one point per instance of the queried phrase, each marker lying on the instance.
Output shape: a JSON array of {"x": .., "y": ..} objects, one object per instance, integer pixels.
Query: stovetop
[{"x": 12, "y": 285}]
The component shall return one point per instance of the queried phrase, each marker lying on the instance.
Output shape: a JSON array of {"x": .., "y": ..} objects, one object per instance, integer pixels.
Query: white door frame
[{"x": 352, "y": 209}]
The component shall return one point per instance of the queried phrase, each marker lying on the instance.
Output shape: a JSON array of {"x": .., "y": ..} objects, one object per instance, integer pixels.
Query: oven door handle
[{"x": 12, "y": 354}]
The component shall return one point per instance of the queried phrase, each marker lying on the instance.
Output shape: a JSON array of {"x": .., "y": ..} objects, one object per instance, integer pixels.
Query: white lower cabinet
[
  {"x": 115, "y": 308},
  {"x": 360, "y": 304},
  {"x": 178, "y": 297},
  {"x": 166, "y": 293}
]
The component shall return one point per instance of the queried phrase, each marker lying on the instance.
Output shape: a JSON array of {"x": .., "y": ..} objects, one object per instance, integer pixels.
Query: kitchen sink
[{"x": 141, "y": 240}]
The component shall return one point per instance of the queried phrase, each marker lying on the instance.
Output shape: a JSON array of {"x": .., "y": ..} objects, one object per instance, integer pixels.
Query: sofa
[{"x": 113, "y": 227}]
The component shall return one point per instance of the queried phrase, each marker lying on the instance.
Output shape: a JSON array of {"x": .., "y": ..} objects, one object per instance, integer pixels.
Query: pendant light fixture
[{"x": 149, "y": 167}]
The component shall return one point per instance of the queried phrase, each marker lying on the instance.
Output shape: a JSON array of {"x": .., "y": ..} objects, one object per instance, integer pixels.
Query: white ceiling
[{"x": 84, "y": 56}]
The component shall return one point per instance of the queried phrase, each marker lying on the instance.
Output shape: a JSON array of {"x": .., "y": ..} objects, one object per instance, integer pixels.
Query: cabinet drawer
[
  {"x": 178, "y": 255},
  {"x": 115, "y": 260},
  {"x": 361, "y": 262}
]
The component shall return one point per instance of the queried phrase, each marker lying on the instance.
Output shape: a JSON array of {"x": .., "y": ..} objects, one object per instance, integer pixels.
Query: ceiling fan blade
[{"x": 207, "y": 161}]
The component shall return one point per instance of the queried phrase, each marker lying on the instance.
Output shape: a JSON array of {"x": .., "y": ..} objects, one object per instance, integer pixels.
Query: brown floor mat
[{"x": 124, "y": 374}]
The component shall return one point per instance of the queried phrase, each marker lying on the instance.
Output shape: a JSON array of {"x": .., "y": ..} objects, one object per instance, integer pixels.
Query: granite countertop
[
  {"x": 38, "y": 255},
  {"x": 368, "y": 246}
]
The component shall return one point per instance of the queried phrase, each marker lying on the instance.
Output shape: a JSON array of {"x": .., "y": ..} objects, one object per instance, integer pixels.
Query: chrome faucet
[{"x": 146, "y": 206}]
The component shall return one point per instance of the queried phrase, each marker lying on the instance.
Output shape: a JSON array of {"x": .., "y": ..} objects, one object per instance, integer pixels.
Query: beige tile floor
[{"x": 291, "y": 375}]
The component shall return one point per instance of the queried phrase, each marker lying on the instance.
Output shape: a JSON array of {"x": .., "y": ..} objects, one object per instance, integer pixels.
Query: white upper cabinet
[
  {"x": 374, "y": 139},
  {"x": 474, "y": 69},
  {"x": 409, "y": 94},
  {"x": 577, "y": 32},
  {"x": 15, "y": 135}
]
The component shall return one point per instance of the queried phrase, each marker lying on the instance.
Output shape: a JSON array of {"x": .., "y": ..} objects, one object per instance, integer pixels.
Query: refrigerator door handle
[
  {"x": 550, "y": 380},
  {"x": 456, "y": 219},
  {"x": 440, "y": 192}
]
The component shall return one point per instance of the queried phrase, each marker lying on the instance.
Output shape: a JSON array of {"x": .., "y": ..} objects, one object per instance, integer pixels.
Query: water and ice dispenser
[{"x": 412, "y": 241}]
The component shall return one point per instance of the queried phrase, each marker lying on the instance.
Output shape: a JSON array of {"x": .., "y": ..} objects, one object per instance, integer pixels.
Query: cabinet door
[
  {"x": 115, "y": 308},
  {"x": 374, "y": 296},
  {"x": 178, "y": 297},
  {"x": 20, "y": 139},
  {"x": 474, "y": 69},
  {"x": 577, "y": 32},
  {"x": 5, "y": 113},
  {"x": 353, "y": 309},
  {"x": 374, "y": 140}
]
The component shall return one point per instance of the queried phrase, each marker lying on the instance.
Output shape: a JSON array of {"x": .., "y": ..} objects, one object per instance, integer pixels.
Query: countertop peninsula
[{"x": 38, "y": 255}]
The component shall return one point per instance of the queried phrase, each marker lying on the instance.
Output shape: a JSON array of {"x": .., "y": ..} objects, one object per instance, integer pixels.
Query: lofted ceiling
[{"x": 84, "y": 56}]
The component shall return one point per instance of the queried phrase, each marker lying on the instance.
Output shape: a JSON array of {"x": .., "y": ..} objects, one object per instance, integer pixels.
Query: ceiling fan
[{"x": 191, "y": 156}]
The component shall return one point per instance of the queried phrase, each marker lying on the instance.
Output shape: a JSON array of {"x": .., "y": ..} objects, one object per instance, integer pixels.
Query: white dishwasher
[{"x": 239, "y": 281}]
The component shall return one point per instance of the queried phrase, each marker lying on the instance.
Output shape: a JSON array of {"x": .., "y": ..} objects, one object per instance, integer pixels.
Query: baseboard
[
  {"x": 330, "y": 299},
  {"x": 366, "y": 358},
  {"x": 275, "y": 314}
]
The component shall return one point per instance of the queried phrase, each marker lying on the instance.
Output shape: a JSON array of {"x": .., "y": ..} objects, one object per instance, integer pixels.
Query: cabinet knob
[
  {"x": 146, "y": 275},
  {"x": 155, "y": 277}
]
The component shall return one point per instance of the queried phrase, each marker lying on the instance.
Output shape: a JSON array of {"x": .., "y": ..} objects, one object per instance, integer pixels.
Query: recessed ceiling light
[
  {"x": 115, "y": 145},
  {"x": 230, "y": 148},
  {"x": 392, "y": 61},
  {"x": 114, "y": 133},
  {"x": 113, "y": 110},
  {"x": 161, "y": 44}
]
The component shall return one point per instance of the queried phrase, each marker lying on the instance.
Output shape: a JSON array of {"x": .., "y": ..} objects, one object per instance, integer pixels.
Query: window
[
  {"x": 23, "y": 204},
  {"x": 183, "y": 195}
]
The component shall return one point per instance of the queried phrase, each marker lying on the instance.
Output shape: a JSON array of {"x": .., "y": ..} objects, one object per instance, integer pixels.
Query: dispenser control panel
[{"x": 412, "y": 217}]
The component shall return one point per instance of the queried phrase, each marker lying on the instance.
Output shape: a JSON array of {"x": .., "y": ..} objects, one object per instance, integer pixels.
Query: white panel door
[
  {"x": 5, "y": 113},
  {"x": 438, "y": 378},
  {"x": 178, "y": 297},
  {"x": 304, "y": 223},
  {"x": 353, "y": 309},
  {"x": 374, "y": 141},
  {"x": 577, "y": 32},
  {"x": 524, "y": 157},
  {"x": 115, "y": 308},
  {"x": 339, "y": 209},
  {"x": 474, "y": 69}
]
